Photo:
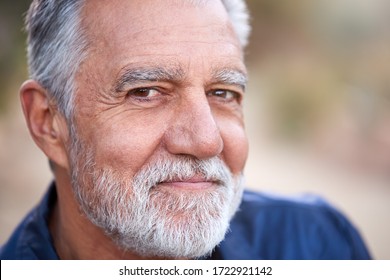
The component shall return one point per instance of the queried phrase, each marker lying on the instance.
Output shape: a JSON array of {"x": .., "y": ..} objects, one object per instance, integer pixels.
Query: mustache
[{"x": 182, "y": 168}]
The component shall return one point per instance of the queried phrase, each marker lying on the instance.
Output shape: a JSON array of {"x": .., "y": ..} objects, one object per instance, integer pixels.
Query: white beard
[{"x": 157, "y": 222}]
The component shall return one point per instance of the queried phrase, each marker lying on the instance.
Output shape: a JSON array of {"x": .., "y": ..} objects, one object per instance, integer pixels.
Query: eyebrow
[
  {"x": 230, "y": 77},
  {"x": 132, "y": 76}
]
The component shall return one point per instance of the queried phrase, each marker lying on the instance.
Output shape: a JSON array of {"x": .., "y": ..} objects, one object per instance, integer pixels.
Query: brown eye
[
  {"x": 144, "y": 92},
  {"x": 226, "y": 95}
]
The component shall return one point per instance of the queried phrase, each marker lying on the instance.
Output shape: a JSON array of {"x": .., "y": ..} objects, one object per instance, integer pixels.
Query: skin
[{"x": 128, "y": 123}]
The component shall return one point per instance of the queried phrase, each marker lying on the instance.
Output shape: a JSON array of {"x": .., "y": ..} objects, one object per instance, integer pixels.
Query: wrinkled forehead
[
  {"x": 196, "y": 37},
  {"x": 136, "y": 17}
]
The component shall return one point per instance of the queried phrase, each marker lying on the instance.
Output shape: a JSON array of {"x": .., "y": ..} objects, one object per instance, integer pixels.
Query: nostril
[{"x": 193, "y": 129}]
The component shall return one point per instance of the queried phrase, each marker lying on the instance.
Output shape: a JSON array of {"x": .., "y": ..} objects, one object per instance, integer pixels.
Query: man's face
[{"x": 160, "y": 92}]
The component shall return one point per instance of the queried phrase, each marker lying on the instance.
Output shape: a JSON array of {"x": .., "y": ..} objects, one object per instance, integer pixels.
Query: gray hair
[
  {"x": 239, "y": 16},
  {"x": 57, "y": 44}
]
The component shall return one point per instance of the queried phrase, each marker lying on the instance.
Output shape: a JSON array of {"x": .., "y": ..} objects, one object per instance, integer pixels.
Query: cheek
[
  {"x": 125, "y": 149},
  {"x": 235, "y": 150}
]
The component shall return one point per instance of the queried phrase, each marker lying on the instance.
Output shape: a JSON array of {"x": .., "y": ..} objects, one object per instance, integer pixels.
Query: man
[{"x": 138, "y": 106}]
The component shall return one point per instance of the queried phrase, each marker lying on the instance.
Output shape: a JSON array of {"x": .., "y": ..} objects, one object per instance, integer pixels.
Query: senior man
[{"x": 138, "y": 106}]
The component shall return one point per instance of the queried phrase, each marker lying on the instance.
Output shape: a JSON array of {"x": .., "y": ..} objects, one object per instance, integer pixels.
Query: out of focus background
[{"x": 317, "y": 110}]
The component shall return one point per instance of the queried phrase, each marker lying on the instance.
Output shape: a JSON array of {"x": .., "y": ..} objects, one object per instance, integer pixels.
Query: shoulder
[
  {"x": 271, "y": 226},
  {"x": 268, "y": 199},
  {"x": 278, "y": 207},
  {"x": 17, "y": 247},
  {"x": 31, "y": 240}
]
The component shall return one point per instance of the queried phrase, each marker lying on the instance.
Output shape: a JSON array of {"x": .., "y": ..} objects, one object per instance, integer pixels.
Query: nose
[{"x": 194, "y": 130}]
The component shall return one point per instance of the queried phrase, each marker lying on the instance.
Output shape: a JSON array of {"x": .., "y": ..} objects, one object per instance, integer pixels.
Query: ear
[{"x": 46, "y": 125}]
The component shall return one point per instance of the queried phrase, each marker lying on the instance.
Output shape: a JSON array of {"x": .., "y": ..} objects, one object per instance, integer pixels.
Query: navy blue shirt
[{"x": 265, "y": 227}]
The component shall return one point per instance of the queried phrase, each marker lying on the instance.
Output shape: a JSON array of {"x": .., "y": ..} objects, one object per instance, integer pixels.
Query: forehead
[
  {"x": 146, "y": 23},
  {"x": 142, "y": 14},
  {"x": 196, "y": 36}
]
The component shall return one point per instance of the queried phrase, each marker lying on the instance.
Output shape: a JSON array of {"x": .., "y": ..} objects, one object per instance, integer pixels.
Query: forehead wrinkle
[{"x": 135, "y": 75}]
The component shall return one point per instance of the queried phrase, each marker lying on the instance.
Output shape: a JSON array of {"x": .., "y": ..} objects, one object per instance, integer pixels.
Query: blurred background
[{"x": 317, "y": 110}]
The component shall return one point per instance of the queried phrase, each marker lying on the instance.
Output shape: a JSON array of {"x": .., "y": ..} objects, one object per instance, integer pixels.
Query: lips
[{"x": 195, "y": 183}]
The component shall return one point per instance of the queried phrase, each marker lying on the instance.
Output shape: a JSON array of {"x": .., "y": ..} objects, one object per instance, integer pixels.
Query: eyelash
[
  {"x": 219, "y": 93},
  {"x": 235, "y": 96},
  {"x": 133, "y": 93}
]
